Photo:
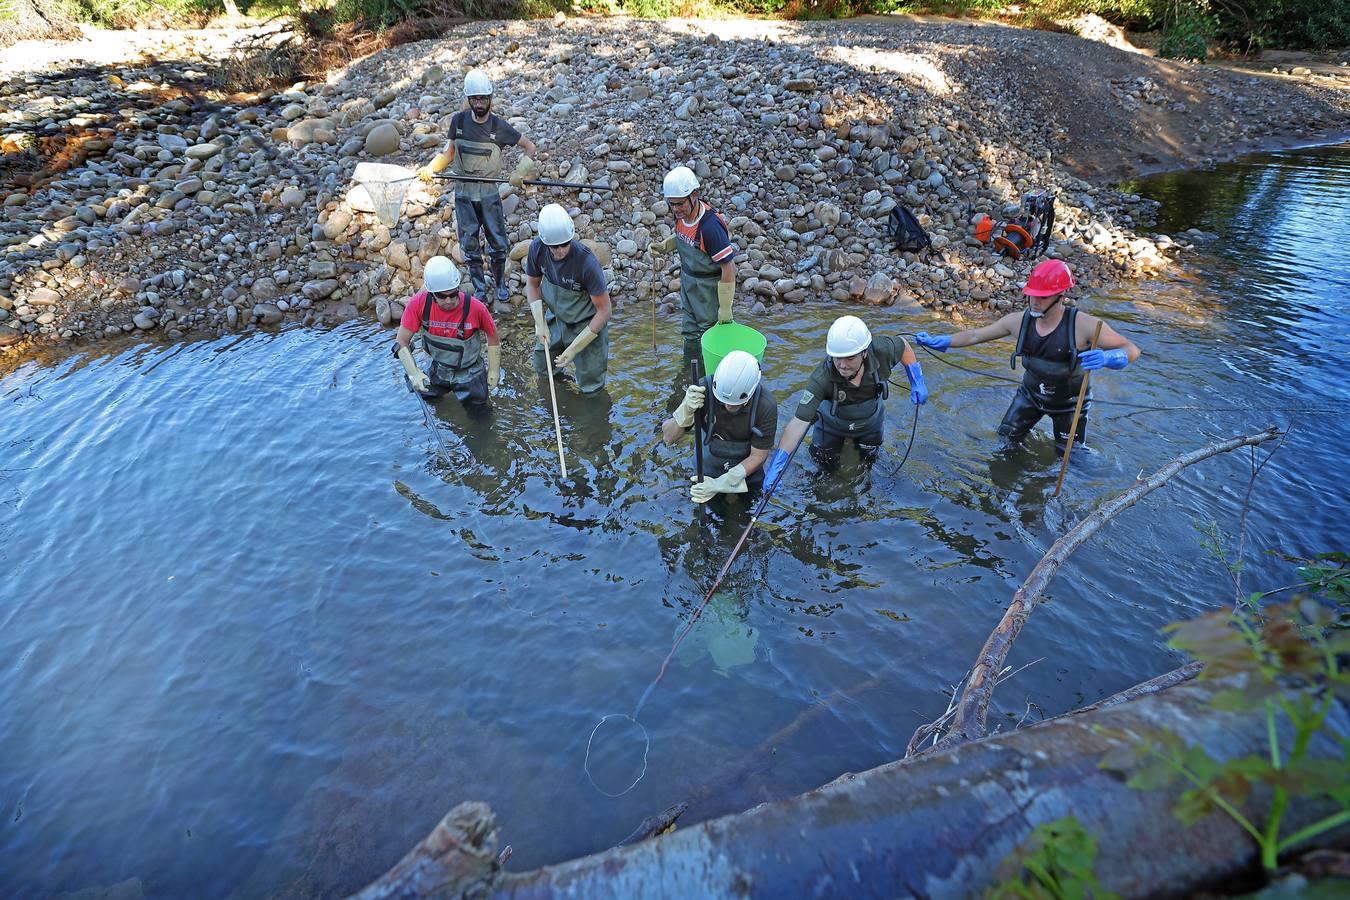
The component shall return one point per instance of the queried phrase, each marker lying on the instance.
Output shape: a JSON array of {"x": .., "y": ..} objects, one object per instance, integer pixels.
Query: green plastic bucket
[{"x": 720, "y": 340}]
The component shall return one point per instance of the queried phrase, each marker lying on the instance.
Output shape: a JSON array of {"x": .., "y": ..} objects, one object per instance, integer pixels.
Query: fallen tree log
[{"x": 938, "y": 825}]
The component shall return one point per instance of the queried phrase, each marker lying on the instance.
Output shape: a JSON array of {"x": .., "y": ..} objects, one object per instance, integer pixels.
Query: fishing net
[{"x": 385, "y": 186}]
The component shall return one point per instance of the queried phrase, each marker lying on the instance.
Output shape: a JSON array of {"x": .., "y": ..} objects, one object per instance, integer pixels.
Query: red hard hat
[{"x": 1047, "y": 279}]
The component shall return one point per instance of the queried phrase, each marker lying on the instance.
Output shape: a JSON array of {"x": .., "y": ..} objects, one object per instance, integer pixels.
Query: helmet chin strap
[{"x": 1037, "y": 315}]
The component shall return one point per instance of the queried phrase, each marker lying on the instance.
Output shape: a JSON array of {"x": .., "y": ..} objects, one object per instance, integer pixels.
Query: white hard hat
[
  {"x": 440, "y": 275},
  {"x": 679, "y": 183},
  {"x": 736, "y": 378},
  {"x": 555, "y": 225},
  {"x": 848, "y": 336},
  {"x": 477, "y": 84}
]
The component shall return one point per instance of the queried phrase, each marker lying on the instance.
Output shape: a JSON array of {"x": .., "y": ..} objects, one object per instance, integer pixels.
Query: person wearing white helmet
[
  {"x": 846, "y": 393},
  {"x": 563, "y": 275},
  {"x": 707, "y": 273},
  {"x": 736, "y": 430},
  {"x": 452, "y": 326},
  {"x": 477, "y": 137}
]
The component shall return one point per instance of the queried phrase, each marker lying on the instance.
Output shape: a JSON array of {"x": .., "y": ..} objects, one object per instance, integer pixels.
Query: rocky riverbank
[{"x": 138, "y": 199}]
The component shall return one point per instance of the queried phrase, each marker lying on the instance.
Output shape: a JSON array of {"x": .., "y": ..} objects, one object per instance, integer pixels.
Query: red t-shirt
[{"x": 446, "y": 324}]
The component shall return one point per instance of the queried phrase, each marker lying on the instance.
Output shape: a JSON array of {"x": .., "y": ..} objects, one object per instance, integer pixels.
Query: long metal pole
[
  {"x": 553, "y": 399},
  {"x": 540, "y": 182},
  {"x": 1073, "y": 424}
]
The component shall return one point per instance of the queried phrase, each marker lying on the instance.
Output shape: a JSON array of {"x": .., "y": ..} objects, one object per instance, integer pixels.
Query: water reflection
[{"x": 260, "y": 635}]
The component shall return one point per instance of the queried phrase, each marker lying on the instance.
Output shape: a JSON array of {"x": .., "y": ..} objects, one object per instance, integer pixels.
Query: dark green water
[{"x": 256, "y": 638}]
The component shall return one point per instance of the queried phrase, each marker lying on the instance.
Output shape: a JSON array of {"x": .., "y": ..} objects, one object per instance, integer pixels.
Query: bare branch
[{"x": 971, "y": 711}]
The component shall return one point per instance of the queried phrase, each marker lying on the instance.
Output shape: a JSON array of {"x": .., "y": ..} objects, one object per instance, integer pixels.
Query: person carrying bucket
[
  {"x": 707, "y": 274},
  {"x": 736, "y": 431},
  {"x": 1054, "y": 344},
  {"x": 848, "y": 391},
  {"x": 452, "y": 326},
  {"x": 476, "y": 139},
  {"x": 562, "y": 274}
]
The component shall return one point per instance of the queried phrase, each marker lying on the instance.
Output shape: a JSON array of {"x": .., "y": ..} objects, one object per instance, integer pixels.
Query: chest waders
[
  {"x": 480, "y": 158},
  {"x": 1051, "y": 374},
  {"x": 722, "y": 432},
  {"x": 453, "y": 359},
  {"x": 698, "y": 288},
  {"x": 479, "y": 205},
  {"x": 568, "y": 311},
  {"x": 842, "y": 417}
]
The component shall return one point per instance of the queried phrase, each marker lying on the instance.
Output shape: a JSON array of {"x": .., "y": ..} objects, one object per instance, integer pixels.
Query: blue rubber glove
[
  {"x": 1092, "y": 360},
  {"x": 777, "y": 463},
  {"x": 940, "y": 343},
  {"x": 918, "y": 391}
]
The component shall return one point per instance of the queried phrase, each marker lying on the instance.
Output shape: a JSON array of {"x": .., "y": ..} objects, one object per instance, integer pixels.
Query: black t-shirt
[{"x": 495, "y": 130}]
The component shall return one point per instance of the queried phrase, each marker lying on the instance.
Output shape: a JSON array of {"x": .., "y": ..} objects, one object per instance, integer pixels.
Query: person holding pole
[
  {"x": 476, "y": 139},
  {"x": 1053, "y": 343},
  {"x": 846, "y": 396},
  {"x": 707, "y": 273},
  {"x": 736, "y": 431},
  {"x": 452, "y": 326},
  {"x": 562, "y": 274}
]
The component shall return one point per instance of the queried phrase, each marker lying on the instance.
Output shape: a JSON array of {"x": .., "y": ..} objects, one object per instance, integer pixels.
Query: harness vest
[
  {"x": 1051, "y": 373},
  {"x": 480, "y": 158},
  {"x": 460, "y": 354},
  {"x": 859, "y": 416},
  {"x": 716, "y": 434}
]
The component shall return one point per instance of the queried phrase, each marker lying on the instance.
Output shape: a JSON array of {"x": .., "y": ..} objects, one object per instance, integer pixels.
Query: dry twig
[{"x": 970, "y": 713}]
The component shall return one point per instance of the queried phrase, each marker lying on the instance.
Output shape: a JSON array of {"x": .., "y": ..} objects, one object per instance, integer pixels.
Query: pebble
[{"x": 230, "y": 214}]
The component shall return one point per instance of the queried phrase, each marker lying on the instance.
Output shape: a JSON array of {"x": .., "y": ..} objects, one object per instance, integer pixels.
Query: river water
[{"x": 257, "y": 635}]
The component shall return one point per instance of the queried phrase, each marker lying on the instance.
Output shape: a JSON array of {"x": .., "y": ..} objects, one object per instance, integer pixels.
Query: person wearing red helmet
[{"x": 1052, "y": 343}]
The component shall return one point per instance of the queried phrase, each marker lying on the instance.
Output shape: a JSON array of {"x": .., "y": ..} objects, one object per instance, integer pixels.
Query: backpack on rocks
[{"x": 905, "y": 231}]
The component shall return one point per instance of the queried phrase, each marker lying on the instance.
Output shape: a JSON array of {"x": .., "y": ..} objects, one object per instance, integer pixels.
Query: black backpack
[{"x": 906, "y": 232}]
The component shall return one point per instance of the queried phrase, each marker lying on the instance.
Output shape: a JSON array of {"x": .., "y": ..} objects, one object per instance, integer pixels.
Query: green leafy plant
[
  {"x": 1055, "y": 862},
  {"x": 1283, "y": 663}
]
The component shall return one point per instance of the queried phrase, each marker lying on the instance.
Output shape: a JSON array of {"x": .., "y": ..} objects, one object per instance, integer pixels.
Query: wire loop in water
[{"x": 646, "y": 748}]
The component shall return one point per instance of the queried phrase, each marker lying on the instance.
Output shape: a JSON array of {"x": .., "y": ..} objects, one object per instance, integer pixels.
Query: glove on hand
[
  {"x": 578, "y": 344},
  {"x": 940, "y": 342},
  {"x": 524, "y": 169},
  {"x": 777, "y": 463},
  {"x": 694, "y": 397},
  {"x": 540, "y": 326},
  {"x": 918, "y": 391},
  {"x": 732, "y": 482},
  {"x": 726, "y": 293},
  {"x": 417, "y": 379},
  {"x": 494, "y": 373},
  {"x": 1092, "y": 360}
]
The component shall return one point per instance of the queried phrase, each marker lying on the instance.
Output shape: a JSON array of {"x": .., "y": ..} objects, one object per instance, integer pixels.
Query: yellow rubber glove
[
  {"x": 430, "y": 170},
  {"x": 733, "y": 482},
  {"x": 656, "y": 248},
  {"x": 694, "y": 397},
  {"x": 494, "y": 366},
  {"x": 540, "y": 326},
  {"x": 416, "y": 376},
  {"x": 726, "y": 292},
  {"x": 524, "y": 169},
  {"x": 578, "y": 344}
]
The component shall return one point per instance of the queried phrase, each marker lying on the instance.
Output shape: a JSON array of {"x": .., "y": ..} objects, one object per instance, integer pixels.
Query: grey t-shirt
[{"x": 578, "y": 271}]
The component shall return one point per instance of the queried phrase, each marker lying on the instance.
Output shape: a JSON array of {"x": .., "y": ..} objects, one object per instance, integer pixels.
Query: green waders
[
  {"x": 698, "y": 295},
  {"x": 567, "y": 312}
]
